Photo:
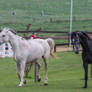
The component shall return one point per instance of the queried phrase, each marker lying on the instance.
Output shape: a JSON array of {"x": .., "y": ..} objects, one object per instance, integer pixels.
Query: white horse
[{"x": 33, "y": 52}]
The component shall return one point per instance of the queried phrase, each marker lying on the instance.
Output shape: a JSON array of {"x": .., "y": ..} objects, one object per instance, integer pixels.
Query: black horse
[{"x": 81, "y": 38}]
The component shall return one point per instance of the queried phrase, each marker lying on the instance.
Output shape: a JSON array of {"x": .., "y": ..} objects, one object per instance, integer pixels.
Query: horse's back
[
  {"x": 45, "y": 45},
  {"x": 43, "y": 42}
]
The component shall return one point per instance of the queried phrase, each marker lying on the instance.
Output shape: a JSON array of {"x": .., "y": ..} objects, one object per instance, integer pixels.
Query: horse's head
[
  {"x": 75, "y": 41},
  {"x": 4, "y": 35}
]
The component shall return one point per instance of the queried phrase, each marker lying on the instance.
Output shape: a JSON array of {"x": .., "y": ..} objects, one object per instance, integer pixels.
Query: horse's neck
[
  {"x": 14, "y": 42},
  {"x": 84, "y": 44}
]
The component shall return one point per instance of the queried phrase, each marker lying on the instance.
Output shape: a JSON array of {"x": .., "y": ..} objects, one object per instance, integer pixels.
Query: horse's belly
[
  {"x": 89, "y": 61},
  {"x": 35, "y": 54},
  {"x": 32, "y": 59}
]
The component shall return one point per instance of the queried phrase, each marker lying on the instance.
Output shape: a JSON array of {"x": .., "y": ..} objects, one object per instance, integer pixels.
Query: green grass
[
  {"x": 28, "y": 11},
  {"x": 64, "y": 76}
]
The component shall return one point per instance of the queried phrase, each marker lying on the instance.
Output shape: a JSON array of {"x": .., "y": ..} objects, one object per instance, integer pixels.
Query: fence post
[
  {"x": 36, "y": 72},
  {"x": 91, "y": 70},
  {"x": 68, "y": 38}
]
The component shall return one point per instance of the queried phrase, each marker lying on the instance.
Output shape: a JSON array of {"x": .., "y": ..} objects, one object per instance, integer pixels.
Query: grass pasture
[{"x": 64, "y": 76}]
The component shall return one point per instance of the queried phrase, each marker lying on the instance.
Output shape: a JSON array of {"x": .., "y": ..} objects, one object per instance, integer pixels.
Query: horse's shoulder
[{"x": 23, "y": 44}]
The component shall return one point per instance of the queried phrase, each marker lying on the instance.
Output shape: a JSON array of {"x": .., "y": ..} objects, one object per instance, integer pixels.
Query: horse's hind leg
[
  {"x": 27, "y": 69},
  {"x": 38, "y": 74},
  {"x": 46, "y": 71}
]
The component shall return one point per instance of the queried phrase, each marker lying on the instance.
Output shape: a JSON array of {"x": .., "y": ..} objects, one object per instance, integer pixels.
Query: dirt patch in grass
[{"x": 64, "y": 48}]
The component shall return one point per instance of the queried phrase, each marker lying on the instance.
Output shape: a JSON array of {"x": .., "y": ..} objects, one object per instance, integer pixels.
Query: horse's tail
[{"x": 51, "y": 44}]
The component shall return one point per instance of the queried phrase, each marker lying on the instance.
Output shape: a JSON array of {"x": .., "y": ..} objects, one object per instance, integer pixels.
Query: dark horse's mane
[{"x": 84, "y": 34}]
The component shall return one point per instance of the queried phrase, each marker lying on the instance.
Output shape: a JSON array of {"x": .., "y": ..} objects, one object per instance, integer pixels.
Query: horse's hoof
[
  {"x": 20, "y": 86},
  {"x": 24, "y": 82},
  {"x": 85, "y": 87},
  {"x": 39, "y": 79},
  {"x": 45, "y": 84}
]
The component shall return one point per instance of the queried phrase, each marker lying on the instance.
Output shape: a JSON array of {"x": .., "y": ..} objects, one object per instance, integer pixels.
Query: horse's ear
[
  {"x": 79, "y": 32},
  {"x": 0, "y": 30}
]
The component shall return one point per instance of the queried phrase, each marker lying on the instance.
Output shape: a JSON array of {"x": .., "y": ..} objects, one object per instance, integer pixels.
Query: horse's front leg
[
  {"x": 22, "y": 69},
  {"x": 86, "y": 74},
  {"x": 18, "y": 70}
]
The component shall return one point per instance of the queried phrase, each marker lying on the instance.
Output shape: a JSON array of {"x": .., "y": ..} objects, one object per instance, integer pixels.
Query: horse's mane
[
  {"x": 84, "y": 34},
  {"x": 9, "y": 29}
]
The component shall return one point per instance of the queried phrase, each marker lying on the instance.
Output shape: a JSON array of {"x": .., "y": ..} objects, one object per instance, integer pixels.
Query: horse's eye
[{"x": 3, "y": 35}]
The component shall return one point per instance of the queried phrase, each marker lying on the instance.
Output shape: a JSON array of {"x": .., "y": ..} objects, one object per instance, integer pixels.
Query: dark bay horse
[{"x": 83, "y": 39}]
